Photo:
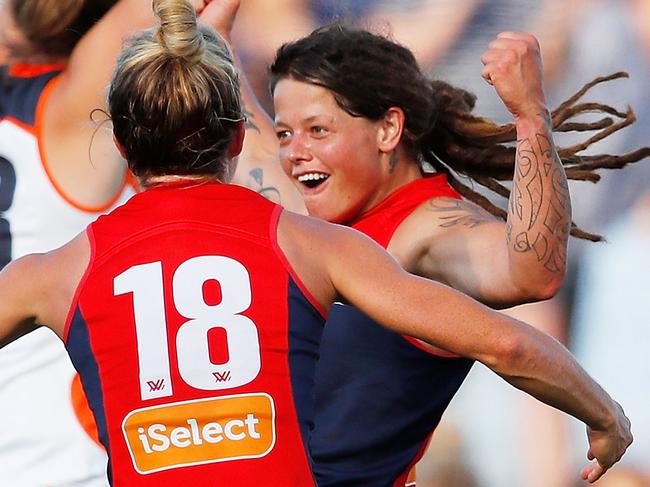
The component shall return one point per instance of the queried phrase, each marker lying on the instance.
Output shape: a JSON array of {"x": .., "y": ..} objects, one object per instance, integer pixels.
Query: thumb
[{"x": 596, "y": 472}]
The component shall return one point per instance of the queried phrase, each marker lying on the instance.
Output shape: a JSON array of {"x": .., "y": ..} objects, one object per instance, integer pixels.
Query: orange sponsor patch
[{"x": 200, "y": 431}]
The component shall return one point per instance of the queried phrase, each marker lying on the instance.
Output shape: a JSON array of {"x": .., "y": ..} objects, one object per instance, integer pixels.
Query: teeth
[{"x": 312, "y": 176}]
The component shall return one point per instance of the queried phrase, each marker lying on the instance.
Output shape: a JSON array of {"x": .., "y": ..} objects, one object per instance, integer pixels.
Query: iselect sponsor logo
[{"x": 200, "y": 431}]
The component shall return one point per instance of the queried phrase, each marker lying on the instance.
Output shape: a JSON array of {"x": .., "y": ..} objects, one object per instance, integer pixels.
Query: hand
[
  {"x": 220, "y": 14},
  {"x": 198, "y": 5},
  {"x": 513, "y": 65},
  {"x": 607, "y": 446}
]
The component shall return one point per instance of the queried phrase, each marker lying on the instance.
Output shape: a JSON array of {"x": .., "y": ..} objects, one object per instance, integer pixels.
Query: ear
[
  {"x": 237, "y": 143},
  {"x": 119, "y": 146},
  {"x": 391, "y": 128}
]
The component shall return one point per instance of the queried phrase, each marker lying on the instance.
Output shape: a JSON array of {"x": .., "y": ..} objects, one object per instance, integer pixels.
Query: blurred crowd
[{"x": 492, "y": 435}]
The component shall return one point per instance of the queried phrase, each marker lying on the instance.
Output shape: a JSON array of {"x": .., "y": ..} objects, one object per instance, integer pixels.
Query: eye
[
  {"x": 282, "y": 134},
  {"x": 318, "y": 130}
]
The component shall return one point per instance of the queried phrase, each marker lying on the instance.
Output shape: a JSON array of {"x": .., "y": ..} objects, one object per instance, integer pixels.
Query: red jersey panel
[
  {"x": 186, "y": 329},
  {"x": 381, "y": 221}
]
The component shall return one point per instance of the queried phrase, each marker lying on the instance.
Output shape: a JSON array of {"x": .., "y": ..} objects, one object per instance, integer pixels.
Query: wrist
[
  {"x": 534, "y": 120},
  {"x": 607, "y": 419}
]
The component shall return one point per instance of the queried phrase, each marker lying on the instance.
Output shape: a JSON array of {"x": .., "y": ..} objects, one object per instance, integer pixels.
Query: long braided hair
[{"x": 367, "y": 74}]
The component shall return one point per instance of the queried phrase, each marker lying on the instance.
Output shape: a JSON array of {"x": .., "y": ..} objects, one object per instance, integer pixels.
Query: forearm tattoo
[
  {"x": 539, "y": 206},
  {"x": 256, "y": 183},
  {"x": 455, "y": 212}
]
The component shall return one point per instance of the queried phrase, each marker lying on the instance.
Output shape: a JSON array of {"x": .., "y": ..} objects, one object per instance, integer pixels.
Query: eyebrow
[{"x": 309, "y": 119}]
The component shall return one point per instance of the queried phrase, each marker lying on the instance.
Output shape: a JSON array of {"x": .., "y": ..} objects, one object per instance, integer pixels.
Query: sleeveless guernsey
[
  {"x": 195, "y": 342},
  {"x": 41, "y": 440},
  {"x": 379, "y": 395}
]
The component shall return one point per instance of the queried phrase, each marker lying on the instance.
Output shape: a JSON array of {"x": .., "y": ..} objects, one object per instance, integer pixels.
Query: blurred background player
[{"x": 58, "y": 172}]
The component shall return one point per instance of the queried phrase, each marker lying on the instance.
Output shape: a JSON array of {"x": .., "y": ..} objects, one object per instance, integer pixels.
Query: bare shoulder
[
  {"x": 307, "y": 237},
  {"x": 438, "y": 222},
  {"x": 444, "y": 212},
  {"x": 304, "y": 240},
  {"x": 322, "y": 252}
]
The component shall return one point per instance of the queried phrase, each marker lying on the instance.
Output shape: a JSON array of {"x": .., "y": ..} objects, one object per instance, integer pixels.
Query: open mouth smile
[{"x": 312, "y": 179}]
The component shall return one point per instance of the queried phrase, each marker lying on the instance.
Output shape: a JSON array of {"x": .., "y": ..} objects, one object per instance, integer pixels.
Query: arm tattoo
[
  {"x": 249, "y": 121},
  {"x": 256, "y": 183},
  {"x": 454, "y": 212},
  {"x": 534, "y": 201}
]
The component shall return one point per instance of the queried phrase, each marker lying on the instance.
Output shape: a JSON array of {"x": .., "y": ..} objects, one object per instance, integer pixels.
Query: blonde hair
[
  {"x": 54, "y": 27},
  {"x": 174, "y": 100}
]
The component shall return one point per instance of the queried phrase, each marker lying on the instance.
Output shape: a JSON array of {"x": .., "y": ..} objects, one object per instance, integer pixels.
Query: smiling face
[{"x": 334, "y": 159}]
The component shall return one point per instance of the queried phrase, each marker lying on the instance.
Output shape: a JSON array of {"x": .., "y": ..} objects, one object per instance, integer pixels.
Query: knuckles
[{"x": 521, "y": 44}]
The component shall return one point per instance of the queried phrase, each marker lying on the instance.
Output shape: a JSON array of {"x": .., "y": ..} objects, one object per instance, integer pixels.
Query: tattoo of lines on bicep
[
  {"x": 249, "y": 121},
  {"x": 528, "y": 205},
  {"x": 454, "y": 212},
  {"x": 256, "y": 183}
]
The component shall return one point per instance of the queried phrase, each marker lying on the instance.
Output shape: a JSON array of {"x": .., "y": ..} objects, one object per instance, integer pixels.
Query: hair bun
[{"x": 178, "y": 32}]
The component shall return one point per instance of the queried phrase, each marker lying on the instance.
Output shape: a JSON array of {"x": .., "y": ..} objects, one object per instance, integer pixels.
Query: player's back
[
  {"x": 194, "y": 342},
  {"x": 41, "y": 439}
]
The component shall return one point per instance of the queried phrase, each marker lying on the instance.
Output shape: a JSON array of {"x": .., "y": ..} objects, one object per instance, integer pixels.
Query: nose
[{"x": 298, "y": 150}]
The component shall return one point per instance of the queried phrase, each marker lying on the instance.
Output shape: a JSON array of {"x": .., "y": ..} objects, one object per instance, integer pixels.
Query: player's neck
[{"x": 170, "y": 179}]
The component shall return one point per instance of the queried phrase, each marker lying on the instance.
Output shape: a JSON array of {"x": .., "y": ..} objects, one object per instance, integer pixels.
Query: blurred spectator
[
  {"x": 264, "y": 25},
  {"x": 611, "y": 335}
]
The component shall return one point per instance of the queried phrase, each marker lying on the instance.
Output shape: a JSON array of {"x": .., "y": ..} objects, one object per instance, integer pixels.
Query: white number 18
[{"x": 145, "y": 281}]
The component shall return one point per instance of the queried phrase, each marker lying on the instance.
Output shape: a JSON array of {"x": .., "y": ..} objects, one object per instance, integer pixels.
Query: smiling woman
[
  {"x": 334, "y": 156},
  {"x": 357, "y": 119}
]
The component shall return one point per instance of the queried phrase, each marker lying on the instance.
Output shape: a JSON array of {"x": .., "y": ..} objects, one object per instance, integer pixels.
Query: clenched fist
[{"x": 513, "y": 65}]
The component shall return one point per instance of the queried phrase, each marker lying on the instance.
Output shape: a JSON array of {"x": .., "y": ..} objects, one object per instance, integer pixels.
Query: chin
[{"x": 329, "y": 216}]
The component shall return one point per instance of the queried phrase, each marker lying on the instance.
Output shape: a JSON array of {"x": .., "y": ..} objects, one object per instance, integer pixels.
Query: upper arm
[
  {"x": 38, "y": 289},
  {"x": 351, "y": 266},
  {"x": 258, "y": 165},
  {"x": 22, "y": 290},
  {"x": 371, "y": 280},
  {"x": 457, "y": 242},
  {"x": 83, "y": 85}
]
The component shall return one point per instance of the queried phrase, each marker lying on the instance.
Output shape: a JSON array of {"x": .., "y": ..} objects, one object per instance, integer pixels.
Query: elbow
[
  {"x": 541, "y": 289},
  {"x": 509, "y": 354},
  {"x": 548, "y": 289}
]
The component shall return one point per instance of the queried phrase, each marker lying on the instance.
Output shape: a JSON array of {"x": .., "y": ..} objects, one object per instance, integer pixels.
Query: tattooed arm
[
  {"x": 539, "y": 210},
  {"x": 523, "y": 259},
  {"x": 258, "y": 166}
]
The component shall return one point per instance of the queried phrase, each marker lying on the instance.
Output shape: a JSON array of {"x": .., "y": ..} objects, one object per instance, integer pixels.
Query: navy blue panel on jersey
[
  {"x": 7, "y": 189},
  {"x": 19, "y": 96},
  {"x": 305, "y": 329},
  {"x": 378, "y": 398},
  {"x": 78, "y": 346}
]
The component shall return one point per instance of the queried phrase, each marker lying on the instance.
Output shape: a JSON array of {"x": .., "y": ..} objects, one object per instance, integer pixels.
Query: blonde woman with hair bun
[
  {"x": 194, "y": 311},
  {"x": 58, "y": 172}
]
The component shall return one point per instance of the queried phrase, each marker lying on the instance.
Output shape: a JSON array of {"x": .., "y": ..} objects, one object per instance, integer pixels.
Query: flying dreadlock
[{"x": 475, "y": 147}]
